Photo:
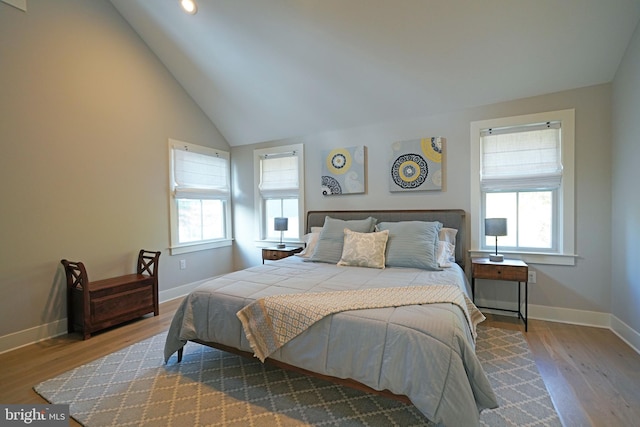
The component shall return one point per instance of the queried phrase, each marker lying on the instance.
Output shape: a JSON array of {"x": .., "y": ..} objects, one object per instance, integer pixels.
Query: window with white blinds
[
  {"x": 200, "y": 197},
  {"x": 279, "y": 174},
  {"x": 522, "y": 169},
  {"x": 521, "y": 158},
  {"x": 198, "y": 175}
]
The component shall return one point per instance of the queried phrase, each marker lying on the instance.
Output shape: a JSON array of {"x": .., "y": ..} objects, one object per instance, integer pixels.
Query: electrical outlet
[
  {"x": 532, "y": 277},
  {"x": 183, "y": 264}
]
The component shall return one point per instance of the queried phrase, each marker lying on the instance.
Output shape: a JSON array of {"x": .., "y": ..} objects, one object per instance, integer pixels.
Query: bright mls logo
[{"x": 37, "y": 415}]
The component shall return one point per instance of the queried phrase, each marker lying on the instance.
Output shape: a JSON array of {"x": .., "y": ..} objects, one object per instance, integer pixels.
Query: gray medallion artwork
[
  {"x": 416, "y": 165},
  {"x": 344, "y": 171}
]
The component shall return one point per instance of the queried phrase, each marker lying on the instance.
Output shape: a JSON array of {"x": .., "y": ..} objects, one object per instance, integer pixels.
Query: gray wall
[
  {"x": 625, "y": 228},
  {"x": 85, "y": 113},
  {"x": 585, "y": 286}
]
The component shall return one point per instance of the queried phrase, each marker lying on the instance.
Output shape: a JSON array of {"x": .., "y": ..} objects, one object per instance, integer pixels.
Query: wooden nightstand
[
  {"x": 274, "y": 254},
  {"x": 510, "y": 270}
]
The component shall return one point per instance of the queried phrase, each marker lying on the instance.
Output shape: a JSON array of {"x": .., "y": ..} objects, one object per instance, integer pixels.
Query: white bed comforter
[{"x": 425, "y": 352}]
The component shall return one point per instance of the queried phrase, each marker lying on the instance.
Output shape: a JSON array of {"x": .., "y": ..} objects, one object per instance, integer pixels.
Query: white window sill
[
  {"x": 183, "y": 249},
  {"x": 530, "y": 257}
]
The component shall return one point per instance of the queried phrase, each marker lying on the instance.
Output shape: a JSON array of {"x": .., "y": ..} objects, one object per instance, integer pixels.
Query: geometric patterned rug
[
  {"x": 133, "y": 387},
  {"x": 523, "y": 398}
]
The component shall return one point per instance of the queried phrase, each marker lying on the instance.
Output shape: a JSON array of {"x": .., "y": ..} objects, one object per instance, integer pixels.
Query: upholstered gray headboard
[{"x": 451, "y": 218}]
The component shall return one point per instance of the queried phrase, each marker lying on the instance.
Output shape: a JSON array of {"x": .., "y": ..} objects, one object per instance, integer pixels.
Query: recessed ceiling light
[{"x": 189, "y": 6}]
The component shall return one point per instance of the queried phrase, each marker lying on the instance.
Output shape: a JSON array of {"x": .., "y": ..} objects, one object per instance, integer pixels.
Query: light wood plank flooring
[{"x": 592, "y": 376}]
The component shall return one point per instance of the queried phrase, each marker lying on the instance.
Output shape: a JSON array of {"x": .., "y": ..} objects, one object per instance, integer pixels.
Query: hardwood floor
[
  {"x": 592, "y": 376},
  {"x": 25, "y": 367}
]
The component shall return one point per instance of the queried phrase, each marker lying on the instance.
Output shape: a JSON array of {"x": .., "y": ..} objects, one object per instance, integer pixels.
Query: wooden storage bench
[{"x": 92, "y": 306}]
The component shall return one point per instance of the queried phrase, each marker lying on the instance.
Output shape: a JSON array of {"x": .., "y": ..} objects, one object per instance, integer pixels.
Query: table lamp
[
  {"x": 495, "y": 227},
  {"x": 281, "y": 225}
]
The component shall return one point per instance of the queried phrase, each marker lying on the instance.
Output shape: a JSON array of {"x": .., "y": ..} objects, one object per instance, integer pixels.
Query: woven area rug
[{"x": 133, "y": 387}]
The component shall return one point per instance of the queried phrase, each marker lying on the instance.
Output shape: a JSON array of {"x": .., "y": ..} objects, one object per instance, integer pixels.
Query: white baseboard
[
  {"x": 179, "y": 291},
  {"x": 578, "y": 317},
  {"x": 33, "y": 335},
  {"x": 18, "y": 4},
  {"x": 552, "y": 314},
  {"x": 567, "y": 315},
  {"x": 626, "y": 333}
]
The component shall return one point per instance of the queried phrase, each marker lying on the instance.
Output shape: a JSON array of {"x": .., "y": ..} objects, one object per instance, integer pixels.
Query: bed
[{"x": 423, "y": 354}]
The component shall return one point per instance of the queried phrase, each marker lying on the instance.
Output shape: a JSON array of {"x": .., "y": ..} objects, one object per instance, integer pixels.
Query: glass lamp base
[
  {"x": 496, "y": 258},
  {"x": 280, "y": 245}
]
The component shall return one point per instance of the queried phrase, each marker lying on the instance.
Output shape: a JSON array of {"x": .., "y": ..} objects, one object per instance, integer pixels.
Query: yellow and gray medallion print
[
  {"x": 416, "y": 165},
  {"x": 343, "y": 171}
]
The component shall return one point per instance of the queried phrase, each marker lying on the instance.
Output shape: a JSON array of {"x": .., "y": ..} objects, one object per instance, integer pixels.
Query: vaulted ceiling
[{"x": 272, "y": 69}]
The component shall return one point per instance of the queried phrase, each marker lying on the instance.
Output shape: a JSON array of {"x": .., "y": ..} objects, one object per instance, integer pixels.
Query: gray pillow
[
  {"x": 412, "y": 244},
  {"x": 331, "y": 239}
]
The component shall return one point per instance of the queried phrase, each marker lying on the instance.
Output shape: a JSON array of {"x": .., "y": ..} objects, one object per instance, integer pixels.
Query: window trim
[
  {"x": 176, "y": 248},
  {"x": 566, "y": 193},
  {"x": 259, "y": 207}
]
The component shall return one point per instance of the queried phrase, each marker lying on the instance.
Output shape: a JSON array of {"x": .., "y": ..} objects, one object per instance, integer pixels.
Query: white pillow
[
  {"x": 446, "y": 254},
  {"x": 448, "y": 235},
  {"x": 310, "y": 240},
  {"x": 364, "y": 249}
]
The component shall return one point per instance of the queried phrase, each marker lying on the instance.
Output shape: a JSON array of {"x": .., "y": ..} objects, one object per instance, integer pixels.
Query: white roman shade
[
  {"x": 200, "y": 176},
  {"x": 521, "y": 158},
  {"x": 279, "y": 175}
]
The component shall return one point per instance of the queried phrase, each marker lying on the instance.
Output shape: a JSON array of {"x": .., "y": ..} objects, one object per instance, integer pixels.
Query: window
[
  {"x": 200, "y": 197},
  {"x": 522, "y": 170},
  {"x": 279, "y": 173}
]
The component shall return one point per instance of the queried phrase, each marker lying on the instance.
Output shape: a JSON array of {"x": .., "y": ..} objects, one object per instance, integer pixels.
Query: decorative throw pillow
[
  {"x": 412, "y": 244},
  {"x": 331, "y": 239},
  {"x": 364, "y": 249}
]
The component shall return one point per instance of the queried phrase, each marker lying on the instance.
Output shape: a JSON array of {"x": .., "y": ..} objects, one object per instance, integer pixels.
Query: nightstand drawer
[
  {"x": 274, "y": 255},
  {"x": 500, "y": 272}
]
